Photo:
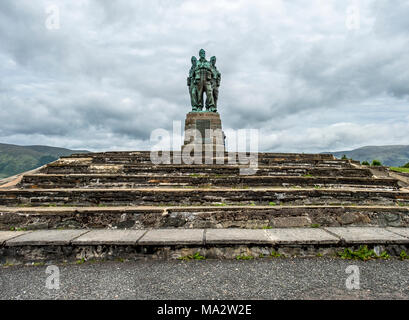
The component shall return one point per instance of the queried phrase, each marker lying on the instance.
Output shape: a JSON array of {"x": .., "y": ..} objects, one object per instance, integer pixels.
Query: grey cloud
[{"x": 115, "y": 71}]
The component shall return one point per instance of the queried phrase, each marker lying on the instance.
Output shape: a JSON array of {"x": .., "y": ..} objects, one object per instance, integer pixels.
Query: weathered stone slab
[
  {"x": 401, "y": 231},
  {"x": 236, "y": 236},
  {"x": 8, "y": 235},
  {"x": 301, "y": 236},
  {"x": 367, "y": 235},
  {"x": 291, "y": 222},
  {"x": 155, "y": 196},
  {"x": 109, "y": 237},
  {"x": 46, "y": 237},
  {"x": 173, "y": 237}
]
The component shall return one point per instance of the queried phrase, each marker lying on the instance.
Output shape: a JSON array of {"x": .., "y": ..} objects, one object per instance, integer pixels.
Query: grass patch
[
  {"x": 363, "y": 253},
  {"x": 307, "y": 175},
  {"x": 402, "y": 204},
  {"x": 399, "y": 169},
  {"x": 220, "y": 176},
  {"x": 196, "y": 256},
  {"x": 17, "y": 229},
  {"x": 272, "y": 203},
  {"x": 240, "y": 186},
  {"x": 220, "y": 204},
  {"x": 315, "y": 225},
  {"x": 206, "y": 186},
  {"x": 244, "y": 257},
  {"x": 194, "y": 175},
  {"x": 267, "y": 227},
  {"x": 8, "y": 264},
  {"x": 23, "y": 205},
  {"x": 275, "y": 254},
  {"x": 403, "y": 255}
]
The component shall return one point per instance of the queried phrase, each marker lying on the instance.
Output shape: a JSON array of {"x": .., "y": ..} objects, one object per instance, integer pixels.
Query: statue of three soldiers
[{"x": 204, "y": 77}]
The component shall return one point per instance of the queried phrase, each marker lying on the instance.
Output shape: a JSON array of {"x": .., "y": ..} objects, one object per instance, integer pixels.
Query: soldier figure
[
  {"x": 192, "y": 87},
  {"x": 216, "y": 77},
  {"x": 202, "y": 80}
]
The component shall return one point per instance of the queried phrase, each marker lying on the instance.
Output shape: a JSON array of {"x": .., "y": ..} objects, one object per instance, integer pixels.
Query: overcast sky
[{"x": 306, "y": 73}]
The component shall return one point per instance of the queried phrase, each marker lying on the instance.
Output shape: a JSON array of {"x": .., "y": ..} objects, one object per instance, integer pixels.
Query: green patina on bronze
[{"x": 204, "y": 78}]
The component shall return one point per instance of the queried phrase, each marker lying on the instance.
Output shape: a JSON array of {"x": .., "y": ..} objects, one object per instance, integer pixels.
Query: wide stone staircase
[{"x": 125, "y": 191}]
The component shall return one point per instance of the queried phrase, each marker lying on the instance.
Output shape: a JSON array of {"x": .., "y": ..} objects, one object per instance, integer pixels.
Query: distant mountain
[
  {"x": 16, "y": 159},
  {"x": 393, "y": 156}
]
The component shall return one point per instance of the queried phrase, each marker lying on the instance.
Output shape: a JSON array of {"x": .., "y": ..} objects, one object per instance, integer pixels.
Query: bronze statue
[{"x": 203, "y": 78}]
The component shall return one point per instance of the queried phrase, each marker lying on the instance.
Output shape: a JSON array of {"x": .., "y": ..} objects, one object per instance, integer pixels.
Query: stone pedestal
[{"x": 204, "y": 129}]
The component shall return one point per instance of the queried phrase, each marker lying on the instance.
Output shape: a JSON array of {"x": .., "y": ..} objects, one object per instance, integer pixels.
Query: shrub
[
  {"x": 344, "y": 157},
  {"x": 365, "y": 163},
  {"x": 406, "y": 165},
  {"x": 363, "y": 253},
  {"x": 376, "y": 163}
]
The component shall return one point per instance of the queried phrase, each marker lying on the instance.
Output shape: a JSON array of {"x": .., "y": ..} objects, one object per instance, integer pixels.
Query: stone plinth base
[{"x": 203, "y": 131}]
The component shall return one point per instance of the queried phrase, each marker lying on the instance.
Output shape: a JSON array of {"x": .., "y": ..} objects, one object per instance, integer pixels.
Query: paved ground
[{"x": 315, "y": 278}]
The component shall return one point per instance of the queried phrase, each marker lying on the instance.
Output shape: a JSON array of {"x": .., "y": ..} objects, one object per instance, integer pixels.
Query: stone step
[
  {"x": 250, "y": 217},
  {"x": 146, "y": 154},
  {"x": 45, "y": 181},
  {"x": 200, "y": 196},
  {"x": 262, "y": 161},
  {"x": 61, "y": 167},
  {"x": 311, "y": 160},
  {"x": 84, "y": 244}
]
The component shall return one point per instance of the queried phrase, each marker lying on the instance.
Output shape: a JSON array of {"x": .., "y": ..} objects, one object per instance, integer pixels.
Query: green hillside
[
  {"x": 394, "y": 156},
  {"x": 16, "y": 159}
]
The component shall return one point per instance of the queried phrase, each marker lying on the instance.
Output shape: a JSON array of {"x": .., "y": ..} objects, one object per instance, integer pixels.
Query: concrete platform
[
  {"x": 237, "y": 236},
  {"x": 109, "y": 237},
  {"x": 199, "y": 237},
  {"x": 404, "y": 232},
  {"x": 8, "y": 235},
  {"x": 173, "y": 237},
  {"x": 45, "y": 238},
  {"x": 301, "y": 236},
  {"x": 365, "y": 235},
  {"x": 73, "y": 245}
]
